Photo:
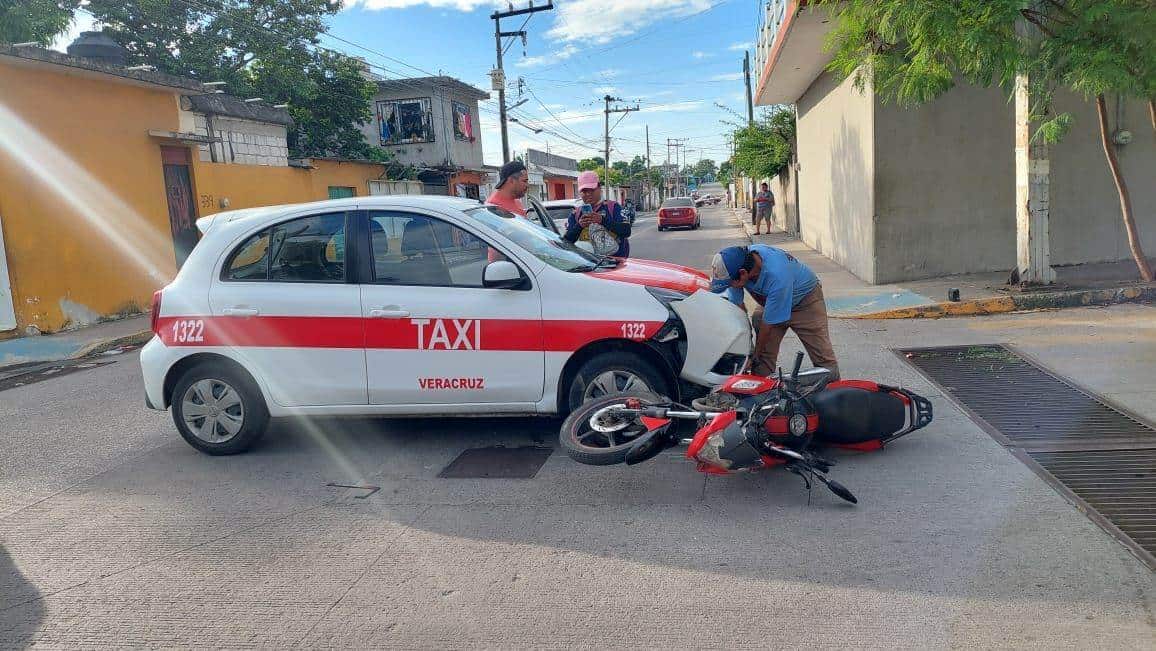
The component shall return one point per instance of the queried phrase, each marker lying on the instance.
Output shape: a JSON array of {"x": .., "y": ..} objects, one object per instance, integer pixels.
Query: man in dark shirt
[{"x": 598, "y": 222}]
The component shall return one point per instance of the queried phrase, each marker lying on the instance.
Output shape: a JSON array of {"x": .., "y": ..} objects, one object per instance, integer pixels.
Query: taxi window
[
  {"x": 415, "y": 249},
  {"x": 310, "y": 249}
]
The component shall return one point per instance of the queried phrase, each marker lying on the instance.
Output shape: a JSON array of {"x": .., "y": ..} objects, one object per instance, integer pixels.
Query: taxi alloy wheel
[
  {"x": 612, "y": 373},
  {"x": 218, "y": 409}
]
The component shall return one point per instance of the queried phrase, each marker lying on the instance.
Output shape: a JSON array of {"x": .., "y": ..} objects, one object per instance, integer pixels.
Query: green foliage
[
  {"x": 913, "y": 52},
  {"x": 705, "y": 168},
  {"x": 763, "y": 149},
  {"x": 726, "y": 172},
  {"x": 259, "y": 48},
  {"x": 34, "y": 21},
  {"x": 591, "y": 164}
]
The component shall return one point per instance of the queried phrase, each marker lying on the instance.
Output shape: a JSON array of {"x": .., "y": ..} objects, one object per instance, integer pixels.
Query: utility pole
[
  {"x": 498, "y": 76},
  {"x": 750, "y": 119},
  {"x": 648, "y": 189},
  {"x": 676, "y": 143},
  {"x": 606, "y": 130}
]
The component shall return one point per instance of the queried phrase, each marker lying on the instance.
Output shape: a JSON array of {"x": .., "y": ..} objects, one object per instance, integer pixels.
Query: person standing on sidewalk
[
  {"x": 513, "y": 182},
  {"x": 789, "y": 297},
  {"x": 764, "y": 209}
]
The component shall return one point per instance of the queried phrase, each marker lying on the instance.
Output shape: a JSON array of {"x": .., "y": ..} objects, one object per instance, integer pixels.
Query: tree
[
  {"x": 705, "y": 168},
  {"x": 913, "y": 52},
  {"x": 763, "y": 149},
  {"x": 725, "y": 172},
  {"x": 591, "y": 164},
  {"x": 34, "y": 21},
  {"x": 259, "y": 48},
  {"x": 621, "y": 166}
]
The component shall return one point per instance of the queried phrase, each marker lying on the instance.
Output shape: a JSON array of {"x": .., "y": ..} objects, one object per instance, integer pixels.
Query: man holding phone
[{"x": 598, "y": 222}]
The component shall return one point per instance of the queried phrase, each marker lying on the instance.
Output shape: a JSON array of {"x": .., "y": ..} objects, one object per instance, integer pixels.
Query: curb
[
  {"x": 1005, "y": 304},
  {"x": 138, "y": 338},
  {"x": 1019, "y": 303},
  {"x": 94, "y": 347}
]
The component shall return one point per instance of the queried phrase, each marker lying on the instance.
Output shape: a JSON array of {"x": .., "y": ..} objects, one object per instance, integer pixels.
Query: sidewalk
[
  {"x": 75, "y": 343},
  {"x": 848, "y": 297}
]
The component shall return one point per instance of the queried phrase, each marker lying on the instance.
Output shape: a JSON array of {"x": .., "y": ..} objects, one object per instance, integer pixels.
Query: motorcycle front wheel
[{"x": 594, "y": 435}]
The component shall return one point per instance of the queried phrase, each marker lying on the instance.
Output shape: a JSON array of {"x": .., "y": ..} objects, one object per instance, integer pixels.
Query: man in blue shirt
[
  {"x": 789, "y": 296},
  {"x": 598, "y": 222}
]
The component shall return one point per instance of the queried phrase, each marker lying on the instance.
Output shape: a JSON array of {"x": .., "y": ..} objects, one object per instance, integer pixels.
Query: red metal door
[{"x": 179, "y": 192}]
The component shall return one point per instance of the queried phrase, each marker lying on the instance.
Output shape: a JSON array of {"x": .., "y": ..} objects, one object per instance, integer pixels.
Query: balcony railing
[{"x": 770, "y": 19}]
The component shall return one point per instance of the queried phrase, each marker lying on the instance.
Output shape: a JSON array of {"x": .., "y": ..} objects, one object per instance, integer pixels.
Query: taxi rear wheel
[
  {"x": 219, "y": 409},
  {"x": 617, "y": 372}
]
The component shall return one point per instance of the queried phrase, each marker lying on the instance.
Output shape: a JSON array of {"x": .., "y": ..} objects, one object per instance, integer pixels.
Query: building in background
[
  {"x": 104, "y": 171},
  {"x": 896, "y": 194},
  {"x": 431, "y": 124},
  {"x": 551, "y": 176}
]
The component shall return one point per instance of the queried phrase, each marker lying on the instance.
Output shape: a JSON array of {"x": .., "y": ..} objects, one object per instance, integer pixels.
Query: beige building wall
[
  {"x": 945, "y": 186},
  {"x": 837, "y": 165},
  {"x": 1085, "y": 210}
]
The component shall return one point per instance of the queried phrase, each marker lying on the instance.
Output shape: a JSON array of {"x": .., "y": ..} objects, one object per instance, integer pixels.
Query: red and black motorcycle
[{"x": 751, "y": 423}]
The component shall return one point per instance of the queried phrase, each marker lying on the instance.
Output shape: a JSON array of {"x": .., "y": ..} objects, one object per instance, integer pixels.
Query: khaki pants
[{"x": 809, "y": 321}]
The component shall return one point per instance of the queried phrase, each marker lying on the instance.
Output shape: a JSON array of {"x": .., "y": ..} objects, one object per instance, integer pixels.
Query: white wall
[
  {"x": 244, "y": 142},
  {"x": 836, "y": 168}
]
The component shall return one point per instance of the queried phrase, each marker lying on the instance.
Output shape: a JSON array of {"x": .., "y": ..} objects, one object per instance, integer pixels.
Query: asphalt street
[{"x": 113, "y": 531}]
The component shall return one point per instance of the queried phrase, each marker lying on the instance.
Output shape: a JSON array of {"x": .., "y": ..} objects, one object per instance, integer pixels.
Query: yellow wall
[
  {"x": 82, "y": 195},
  {"x": 246, "y": 186},
  {"x": 99, "y": 174}
]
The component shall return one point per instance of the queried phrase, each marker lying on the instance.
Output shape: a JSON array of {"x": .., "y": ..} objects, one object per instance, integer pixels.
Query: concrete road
[{"x": 114, "y": 532}]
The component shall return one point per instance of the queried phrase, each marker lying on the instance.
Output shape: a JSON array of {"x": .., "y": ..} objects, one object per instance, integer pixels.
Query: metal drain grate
[
  {"x": 497, "y": 463},
  {"x": 1024, "y": 405},
  {"x": 1118, "y": 485},
  {"x": 1100, "y": 457}
]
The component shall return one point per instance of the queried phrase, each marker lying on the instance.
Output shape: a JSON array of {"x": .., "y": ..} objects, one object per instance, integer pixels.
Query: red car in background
[{"x": 678, "y": 212}]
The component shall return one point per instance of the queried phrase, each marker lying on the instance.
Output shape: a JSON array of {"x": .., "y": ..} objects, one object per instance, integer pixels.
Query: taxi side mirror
[{"x": 503, "y": 274}]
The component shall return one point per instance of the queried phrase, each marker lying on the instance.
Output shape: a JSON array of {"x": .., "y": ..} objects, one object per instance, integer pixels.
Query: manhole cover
[
  {"x": 1100, "y": 457},
  {"x": 497, "y": 463}
]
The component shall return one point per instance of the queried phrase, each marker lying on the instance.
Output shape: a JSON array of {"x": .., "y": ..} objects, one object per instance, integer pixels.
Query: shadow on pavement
[{"x": 18, "y": 623}]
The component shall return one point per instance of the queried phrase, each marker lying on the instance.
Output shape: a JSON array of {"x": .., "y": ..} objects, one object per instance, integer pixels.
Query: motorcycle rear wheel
[{"x": 584, "y": 444}]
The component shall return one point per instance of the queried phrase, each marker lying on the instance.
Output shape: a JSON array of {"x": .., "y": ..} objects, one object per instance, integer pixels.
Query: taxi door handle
[
  {"x": 240, "y": 311},
  {"x": 388, "y": 312}
]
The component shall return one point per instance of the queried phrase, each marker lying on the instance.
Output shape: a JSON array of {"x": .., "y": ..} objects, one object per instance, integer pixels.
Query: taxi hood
[{"x": 652, "y": 273}]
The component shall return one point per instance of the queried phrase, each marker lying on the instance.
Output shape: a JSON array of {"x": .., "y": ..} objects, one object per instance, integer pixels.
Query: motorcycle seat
[{"x": 857, "y": 415}]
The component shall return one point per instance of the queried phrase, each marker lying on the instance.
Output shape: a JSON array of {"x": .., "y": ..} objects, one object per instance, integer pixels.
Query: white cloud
[
  {"x": 605, "y": 90},
  {"x": 460, "y": 5},
  {"x": 674, "y": 107},
  {"x": 81, "y": 22},
  {"x": 699, "y": 54},
  {"x": 602, "y": 21},
  {"x": 738, "y": 47},
  {"x": 730, "y": 76},
  {"x": 560, "y": 55},
  {"x": 609, "y": 73}
]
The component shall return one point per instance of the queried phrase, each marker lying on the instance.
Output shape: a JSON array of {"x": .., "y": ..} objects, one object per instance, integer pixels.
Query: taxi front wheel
[
  {"x": 218, "y": 409},
  {"x": 611, "y": 373}
]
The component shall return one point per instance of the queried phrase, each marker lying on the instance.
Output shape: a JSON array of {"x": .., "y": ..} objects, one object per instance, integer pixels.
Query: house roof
[
  {"x": 34, "y": 56},
  {"x": 227, "y": 105},
  {"x": 443, "y": 81}
]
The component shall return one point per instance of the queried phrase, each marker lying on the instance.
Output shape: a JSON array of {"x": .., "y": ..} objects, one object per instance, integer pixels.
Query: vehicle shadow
[{"x": 21, "y": 610}]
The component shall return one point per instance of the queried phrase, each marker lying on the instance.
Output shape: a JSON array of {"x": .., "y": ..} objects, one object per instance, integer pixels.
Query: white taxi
[{"x": 417, "y": 305}]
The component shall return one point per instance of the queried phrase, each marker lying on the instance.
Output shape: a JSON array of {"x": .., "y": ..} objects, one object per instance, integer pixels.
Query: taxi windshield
[{"x": 546, "y": 245}]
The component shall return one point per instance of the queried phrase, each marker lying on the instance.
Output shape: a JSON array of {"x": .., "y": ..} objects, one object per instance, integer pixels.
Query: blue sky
[{"x": 676, "y": 58}]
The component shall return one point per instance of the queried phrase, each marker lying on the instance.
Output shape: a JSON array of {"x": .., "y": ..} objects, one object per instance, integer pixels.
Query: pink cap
[{"x": 587, "y": 181}]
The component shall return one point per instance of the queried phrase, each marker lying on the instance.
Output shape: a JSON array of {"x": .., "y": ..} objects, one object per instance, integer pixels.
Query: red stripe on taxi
[{"x": 396, "y": 334}]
